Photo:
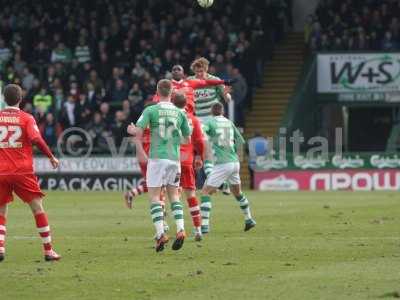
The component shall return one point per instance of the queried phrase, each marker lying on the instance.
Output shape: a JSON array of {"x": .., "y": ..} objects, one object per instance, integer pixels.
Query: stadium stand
[
  {"x": 353, "y": 25},
  {"x": 93, "y": 64}
]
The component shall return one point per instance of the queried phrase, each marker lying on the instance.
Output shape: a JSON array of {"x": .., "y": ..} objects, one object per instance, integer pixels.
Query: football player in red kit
[
  {"x": 18, "y": 134},
  {"x": 191, "y": 153}
]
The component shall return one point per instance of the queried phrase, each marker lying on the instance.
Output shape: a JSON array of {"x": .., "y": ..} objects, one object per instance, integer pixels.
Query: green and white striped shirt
[
  {"x": 206, "y": 97},
  {"x": 82, "y": 53}
]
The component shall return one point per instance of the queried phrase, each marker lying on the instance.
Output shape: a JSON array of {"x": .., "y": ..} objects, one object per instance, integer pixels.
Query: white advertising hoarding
[
  {"x": 89, "y": 165},
  {"x": 358, "y": 73}
]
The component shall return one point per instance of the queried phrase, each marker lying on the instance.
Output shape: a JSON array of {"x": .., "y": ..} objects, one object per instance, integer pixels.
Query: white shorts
[
  {"x": 229, "y": 172},
  {"x": 163, "y": 172}
]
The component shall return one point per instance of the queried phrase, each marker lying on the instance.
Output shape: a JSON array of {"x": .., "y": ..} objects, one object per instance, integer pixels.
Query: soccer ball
[{"x": 205, "y": 3}]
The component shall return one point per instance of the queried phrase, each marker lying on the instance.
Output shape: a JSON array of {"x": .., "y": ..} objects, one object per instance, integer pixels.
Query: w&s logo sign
[{"x": 346, "y": 73}]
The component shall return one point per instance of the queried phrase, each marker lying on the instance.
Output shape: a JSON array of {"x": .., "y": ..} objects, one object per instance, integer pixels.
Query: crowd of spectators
[
  {"x": 93, "y": 64},
  {"x": 354, "y": 25}
]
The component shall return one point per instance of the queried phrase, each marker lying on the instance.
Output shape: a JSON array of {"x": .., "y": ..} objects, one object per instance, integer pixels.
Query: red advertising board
[{"x": 329, "y": 180}]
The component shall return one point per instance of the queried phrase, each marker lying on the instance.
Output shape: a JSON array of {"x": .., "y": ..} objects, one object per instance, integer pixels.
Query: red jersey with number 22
[{"x": 18, "y": 130}]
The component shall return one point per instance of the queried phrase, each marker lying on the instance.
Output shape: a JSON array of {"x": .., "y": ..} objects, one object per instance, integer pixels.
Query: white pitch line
[{"x": 274, "y": 238}]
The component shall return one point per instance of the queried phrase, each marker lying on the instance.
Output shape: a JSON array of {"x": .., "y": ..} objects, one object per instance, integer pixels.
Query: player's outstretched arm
[
  {"x": 143, "y": 122},
  {"x": 42, "y": 146},
  {"x": 36, "y": 139},
  {"x": 202, "y": 83}
]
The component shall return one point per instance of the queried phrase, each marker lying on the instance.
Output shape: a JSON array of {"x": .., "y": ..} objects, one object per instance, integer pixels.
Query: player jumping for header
[{"x": 183, "y": 86}]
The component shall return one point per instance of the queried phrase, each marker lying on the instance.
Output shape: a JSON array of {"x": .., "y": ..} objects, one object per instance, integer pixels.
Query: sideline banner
[
  {"x": 344, "y": 161},
  {"x": 329, "y": 180},
  {"x": 89, "y": 165},
  {"x": 89, "y": 174},
  {"x": 92, "y": 182},
  {"x": 359, "y": 73}
]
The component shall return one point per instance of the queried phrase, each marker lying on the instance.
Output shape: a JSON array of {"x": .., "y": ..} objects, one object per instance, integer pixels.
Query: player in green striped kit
[
  {"x": 205, "y": 98},
  {"x": 167, "y": 125},
  {"x": 224, "y": 138}
]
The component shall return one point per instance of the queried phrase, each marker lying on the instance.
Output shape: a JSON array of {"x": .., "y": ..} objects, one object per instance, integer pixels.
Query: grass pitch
[{"x": 305, "y": 246}]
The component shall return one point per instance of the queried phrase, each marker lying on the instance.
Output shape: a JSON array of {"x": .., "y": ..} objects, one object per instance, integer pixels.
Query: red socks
[
  {"x": 194, "y": 209},
  {"x": 3, "y": 222},
  {"x": 43, "y": 228}
]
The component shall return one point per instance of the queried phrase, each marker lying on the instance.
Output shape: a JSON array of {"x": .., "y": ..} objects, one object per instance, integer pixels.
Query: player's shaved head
[
  {"x": 217, "y": 109},
  {"x": 12, "y": 94},
  {"x": 164, "y": 88},
  {"x": 177, "y": 68},
  {"x": 179, "y": 100}
]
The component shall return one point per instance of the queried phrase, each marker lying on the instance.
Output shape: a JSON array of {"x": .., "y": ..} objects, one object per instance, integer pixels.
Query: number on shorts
[{"x": 12, "y": 139}]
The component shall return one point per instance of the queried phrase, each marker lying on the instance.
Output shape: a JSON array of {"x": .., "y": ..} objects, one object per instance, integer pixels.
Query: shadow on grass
[{"x": 391, "y": 295}]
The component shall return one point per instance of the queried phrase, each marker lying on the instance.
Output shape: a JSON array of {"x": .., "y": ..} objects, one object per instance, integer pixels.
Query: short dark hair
[
  {"x": 177, "y": 66},
  {"x": 12, "y": 94},
  {"x": 217, "y": 109},
  {"x": 179, "y": 100},
  {"x": 164, "y": 87}
]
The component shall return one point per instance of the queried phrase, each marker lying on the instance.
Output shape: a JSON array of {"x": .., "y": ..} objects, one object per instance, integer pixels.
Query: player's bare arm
[{"x": 137, "y": 132}]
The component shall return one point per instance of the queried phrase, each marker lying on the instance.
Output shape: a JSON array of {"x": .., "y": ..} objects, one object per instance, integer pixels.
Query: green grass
[{"x": 305, "y": 246}]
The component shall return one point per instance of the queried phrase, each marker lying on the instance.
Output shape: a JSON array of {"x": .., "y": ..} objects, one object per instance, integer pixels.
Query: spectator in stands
[
  {"x": 41, "y": 54},
  {"x": 120, "y": 92},
  {"x": 370, "y": 26},
  {"x": 388, "y": 43},
  {"x": 59, "y": 99},
  {"x": 98, "y": 130},
  {"x": 239, "y": 94},
  {"x": 43, "y": 100},
  {"x": 96, "y": 81},
  {"x": 82, "y": 51},
  {"x": 257, "y": 146},
  {"x": 133, "y": 44},
  {"x": 105, "y": 113},
  {"x": 92, "y": 96},
  {"x": 5, "y": 54},
  {"x": 118, "y": 128},
  {"x": 18, "y": 64},
  {"x": 136, "y": 97},
  {"x": 61, "y": 54},
  {"x": 83, "y": 111},
  {"x": 127, "y": 110},
  {"x": 27, "y": 79},
  {"x": 49, "y": 130},
  {"x": 68, "y": 115}
]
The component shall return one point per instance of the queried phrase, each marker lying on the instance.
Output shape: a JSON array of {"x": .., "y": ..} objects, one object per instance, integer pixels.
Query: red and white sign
[{"x": 328, "y": 180}]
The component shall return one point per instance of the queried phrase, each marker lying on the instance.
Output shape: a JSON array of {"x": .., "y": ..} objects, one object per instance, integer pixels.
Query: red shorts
[
  {"x": 25, "y": 187},
  {"x": 188, "y": 180}
]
